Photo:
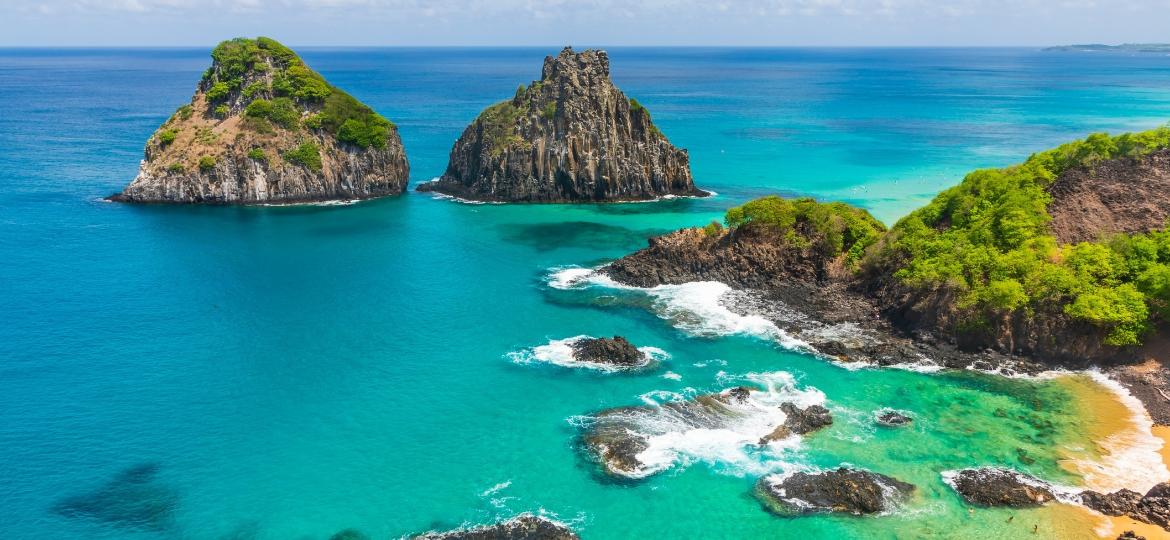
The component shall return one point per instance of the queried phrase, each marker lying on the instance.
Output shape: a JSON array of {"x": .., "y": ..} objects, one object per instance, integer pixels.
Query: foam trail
[{"x": 694, "y": 308}]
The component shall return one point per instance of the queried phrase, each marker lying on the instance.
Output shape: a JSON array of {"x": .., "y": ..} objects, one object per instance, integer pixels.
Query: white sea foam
[
  {"x": 695, "y": 308},
  {"x": 672, "y": 376},
  {"x": 560, "y": 352},
  {"x": 1131, "y": 457},
  {"x": 726, "y": 436}
]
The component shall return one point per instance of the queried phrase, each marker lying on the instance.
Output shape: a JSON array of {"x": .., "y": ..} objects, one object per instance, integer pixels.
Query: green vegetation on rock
[
  {"x": 499, "y": 125},
  {"x": 242, "y": 67},
  {"x": 307, "y": 154},
  {"x": 257, "y": 154},
  {"x": 166, "y": 136},
  {"x": 987, "y": 239},
  {"x": 206, "y": 163},
  {"x": 833, "y": 228}
]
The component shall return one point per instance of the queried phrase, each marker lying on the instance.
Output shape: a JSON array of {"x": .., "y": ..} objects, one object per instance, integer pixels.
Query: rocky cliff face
[
  {"x": 264, "y": 128},
  {"x": 1127, "y": 195},
  {"x": 572, "y": 136}
]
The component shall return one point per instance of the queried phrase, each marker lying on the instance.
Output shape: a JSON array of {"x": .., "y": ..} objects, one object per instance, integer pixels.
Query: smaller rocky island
[
  {"x": 616, "y": 351},
  {"x": 891, "y": 418},
  {"x": 1153, "y": 507},
  {"x": 263, "y": 127},
  {"x": 522, "y": 527},
  {"x": 999, "y": 487},
  {"x": 571, "y": 136},
  {"x": 843, "y": 490}
]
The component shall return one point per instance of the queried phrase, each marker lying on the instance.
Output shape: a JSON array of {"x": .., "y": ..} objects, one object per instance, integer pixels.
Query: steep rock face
[
  {"x": 264, "y": 128},
  {"x": 1128, "y": 195},
  {"x": 572, "y": 136}
]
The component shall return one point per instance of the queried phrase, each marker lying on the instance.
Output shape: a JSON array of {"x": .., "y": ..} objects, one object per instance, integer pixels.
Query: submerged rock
[
  {"x": 844, "y": 490},
  {"x": 133, "y": 499},
  {"x": 263, "y": 127},
  {"x": 1153, "y": 507},
  {"x": 799, "y": 421},
  {"x": 616, "y": 351},
  {"x": 572, "y": 136},
  {"x": 522, "y": 527},
  {"x": 994, "y": 486},
  {"x": 634, "y": 442},
  {"x": 892, "y": 418},
  {"x": 349, "y": 534}
]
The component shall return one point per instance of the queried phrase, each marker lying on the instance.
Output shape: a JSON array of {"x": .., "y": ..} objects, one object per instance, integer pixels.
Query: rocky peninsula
[
  {"x": 1061, "y": 261},
  {"x": 264, "y": 128},
  {"x": 571, "y": 136}
]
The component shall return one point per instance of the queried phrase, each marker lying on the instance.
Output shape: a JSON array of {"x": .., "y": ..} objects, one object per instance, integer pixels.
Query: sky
[{"x": 585, "y": 22}]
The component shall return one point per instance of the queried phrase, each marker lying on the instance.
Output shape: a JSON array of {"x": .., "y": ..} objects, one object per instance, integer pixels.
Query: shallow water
[{"x": 293, "y": 371}]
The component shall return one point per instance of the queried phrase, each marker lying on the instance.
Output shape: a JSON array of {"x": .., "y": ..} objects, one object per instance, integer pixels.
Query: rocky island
[
  {"x": 263, "y": 127},
  {"x": 571, "y": 136}
]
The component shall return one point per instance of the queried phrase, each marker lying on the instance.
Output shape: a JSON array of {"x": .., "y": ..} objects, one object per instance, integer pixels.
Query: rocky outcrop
[
  {"x": 1125, "y": 195},
  {"x": 892, "y": 418},
  {"x": 995, "y": 487},
  {"x": 616, "y": 437},
  {"x": 1153, "y": 507},
  {"x": 616, "y": 351},
  {"x": 799, "y": 421},
  {"x": 263, "y": 127},
  {"x": 572, "y": 136},
  {"x": 522, "y": 527},
  {"x": 844, "y": 490}
]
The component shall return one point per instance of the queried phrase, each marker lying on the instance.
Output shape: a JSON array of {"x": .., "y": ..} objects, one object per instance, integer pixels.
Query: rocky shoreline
[{"x": 817, "y": 301}]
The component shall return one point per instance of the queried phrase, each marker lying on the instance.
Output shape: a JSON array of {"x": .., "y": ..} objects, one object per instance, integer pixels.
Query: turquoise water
[{"x": 295, "y": 371}]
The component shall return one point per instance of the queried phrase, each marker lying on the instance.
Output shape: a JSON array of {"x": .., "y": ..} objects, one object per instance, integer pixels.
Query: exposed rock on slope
[
  {"x": 1153, "y": 507},
  {"x": 264, "y": 128},
  {"x": 993, "y": 486},
  {"x": 1127, "y": 195},
  {"x": 572, "y": 136}
]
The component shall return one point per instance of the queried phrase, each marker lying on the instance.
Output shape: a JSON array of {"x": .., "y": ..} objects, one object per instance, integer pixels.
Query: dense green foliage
[
  {"x": 294, "y": 88},
  {"x": 185, "y": 112},
  {"x": 206, "y": 163},
  {"x": 833, "y": 228},
  {"x": 281, "y": 111},
  {"x": 988, "y": 239},
  {"x": 550, "y": 110},
  {"x": 176, "y": 167},
  {"x": 166, "y": 136},
  {"x": 257, "y": 154},
  {"x": 307, "y": 154}
]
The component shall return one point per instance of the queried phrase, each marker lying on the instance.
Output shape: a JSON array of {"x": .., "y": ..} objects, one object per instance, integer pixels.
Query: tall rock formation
[
  {"x": 572, "y": 136},
  {"x": 263, "y": 127}
]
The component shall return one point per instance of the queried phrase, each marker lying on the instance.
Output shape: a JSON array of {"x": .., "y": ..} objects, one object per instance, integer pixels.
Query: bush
[
  {"x": 833, "y": 228},
  {"x": 713, "y": 228},
  {"x": 218, "y": 92},
  {"x": 314, "y": 121},
  {"x": 352, "y": 122},
  {"x": 176, "y": 167},
  {"x": 550, "y": 110},
  {"x": 185, "y": 112},
  {"x": 257, "y": 154},
  {"x": 254, "y": 88},
  {"x": 307, "y": 154},
  {"x": 166, "y": 136},
  {"x": 222, "y": 111},
  {"x": 206, "y": 163},
  {"x": 281, "y": 111}
]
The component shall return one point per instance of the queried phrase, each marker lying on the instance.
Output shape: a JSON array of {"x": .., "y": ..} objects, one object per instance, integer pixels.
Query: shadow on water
[
  {"x": 576, "y": 234},
  {"x": 133, "y": 499}
]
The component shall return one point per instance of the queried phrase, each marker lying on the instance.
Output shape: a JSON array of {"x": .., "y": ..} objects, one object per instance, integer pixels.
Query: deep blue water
[{"x": 295, "y": 371}]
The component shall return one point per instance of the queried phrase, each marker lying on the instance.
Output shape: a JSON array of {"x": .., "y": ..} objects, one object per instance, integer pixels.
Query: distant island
[
  {"x": 1124, "y": 47},
  {"x": 571, "y": 136},
  {"x": 263, "y": 127}
]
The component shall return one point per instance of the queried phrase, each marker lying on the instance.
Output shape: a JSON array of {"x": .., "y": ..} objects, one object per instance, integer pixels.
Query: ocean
[{"x": 290, "y": 372}]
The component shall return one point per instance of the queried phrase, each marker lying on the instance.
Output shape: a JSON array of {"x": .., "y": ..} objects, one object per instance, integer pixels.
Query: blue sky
[{"x": 592, "y": 22}]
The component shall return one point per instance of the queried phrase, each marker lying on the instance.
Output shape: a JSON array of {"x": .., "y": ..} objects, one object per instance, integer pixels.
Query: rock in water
[
  {"x": 892, "y": 418},
  {"x": 522, "y": 527},
  {"x": 799, "y": 421},
  {"x": 616, "y": 351},
  {"x": 843, "y": 490},
  {"x": 264, "y": 128},
  {"x": 572, "y": 136},
  {"x": 993, "y": 486},
  {"x": 133, "y": 499}
]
